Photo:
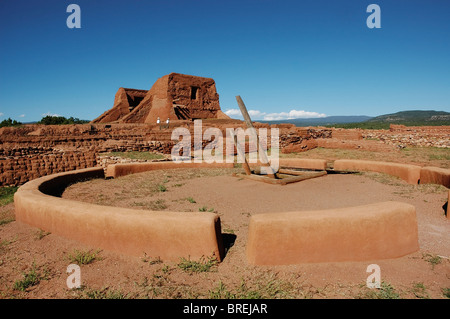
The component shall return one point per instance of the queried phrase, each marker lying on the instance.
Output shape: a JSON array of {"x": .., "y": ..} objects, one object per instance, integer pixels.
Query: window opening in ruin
[{"x": 194, "y": 91}]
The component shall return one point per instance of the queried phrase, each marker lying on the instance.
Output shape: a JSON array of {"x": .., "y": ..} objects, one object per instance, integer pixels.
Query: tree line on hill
[
  {"x": 46, "y": 120},
  {"x": 407, "y": 118}
]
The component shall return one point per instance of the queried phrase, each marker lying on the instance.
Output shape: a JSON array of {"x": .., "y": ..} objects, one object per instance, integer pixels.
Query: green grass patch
[
  {"x": 161, "y": 188},
  {"x": 7, "y": 194},
  {"x": 386, "y": 291},
  {"x": 152, "y": 260},
  {"x": 203, "y": 265},
  {"x": 420, "y": 291},
  {"x": 5, "y": 242},
  {"x": 6, "y": 220},
  {"x": 446, "y": 292},
  {"x": 228, "y": 230},
  {"x": 104, "y": 293},
  {"x": 82, "y": 257},
  {"x": 191, "y": 200},
  {"x": 159, "y": 204},
  {"x": 41, "y": 234},
  {"x": 266, "y": 287},
  {"x": 432, "y": 259},
  {"x": 31, "y": 278},
  {"x": 136, "y": 155}
]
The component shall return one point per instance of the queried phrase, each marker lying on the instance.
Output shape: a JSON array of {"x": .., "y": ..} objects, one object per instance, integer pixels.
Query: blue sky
[{"x": 284, "y": 58}]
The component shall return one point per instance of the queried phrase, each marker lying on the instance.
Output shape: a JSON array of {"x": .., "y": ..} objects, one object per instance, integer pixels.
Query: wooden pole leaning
[
  {"x": 262, "y": 152},
  {"x": 242, "y": 156}
]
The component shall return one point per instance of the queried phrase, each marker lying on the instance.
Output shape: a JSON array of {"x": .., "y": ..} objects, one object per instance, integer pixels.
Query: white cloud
[
  {"x": 1, "y": 114},
  {"x": 292, "y": 114},
  {"x": 256, "y": 114},
  {"x": 22, "y": 115},
  {"x": 232, "y": 112},
  {"x": 50, "y": 114}
]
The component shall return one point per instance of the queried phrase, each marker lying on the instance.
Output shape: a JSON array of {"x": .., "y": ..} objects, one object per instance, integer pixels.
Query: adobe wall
[
  {"x": 347, "y": 134},
  {"x": 362, "y": 233},
  {"x": 426, "y": 129},
  {"x": 407, "y": 172},
  {"x": 125, "y": 101},
  {"x": 32, "y": 151},
  {"x": 168, "y": 235},
  {"x": 401, "y": 136},
  {"x": 412, "y": 174},
  {"x": 18, "y": 170},
  {"x": 435, "y": 175},
  {"x": 174, "y": 96},
  {"x": 306, "y": 163},
  {"x": 118, "y": 170}
]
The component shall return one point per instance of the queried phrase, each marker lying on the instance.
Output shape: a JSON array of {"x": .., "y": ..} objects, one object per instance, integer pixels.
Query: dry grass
[{"x": 431, "y": 156}]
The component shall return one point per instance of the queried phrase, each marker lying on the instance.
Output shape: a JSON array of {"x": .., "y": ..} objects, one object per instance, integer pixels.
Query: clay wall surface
[
  {"x": 32, "y": 150},
  {"x": 435, "y": 175},
  {"x": 368, "y": 232},
  {"x": 168, "y": 235},
  {"x": 417, "y": 136},
  {"x": 361, "y": 233},
  {"x": 407, "y": 172},
  {"x": 124, "y": 102},
  {"x": 347, "y": 134},
  {"x": 174, "y": 96},
  {"x": 194, "y": 97},
  {"x": 427, "y": 129}
]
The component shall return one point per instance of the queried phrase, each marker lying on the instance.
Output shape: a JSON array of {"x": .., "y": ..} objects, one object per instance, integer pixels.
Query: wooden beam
[
  {"x": 282, "y": 179},
  {"x": 242, "y": 156},
  {"x": 262, "y": 152}
]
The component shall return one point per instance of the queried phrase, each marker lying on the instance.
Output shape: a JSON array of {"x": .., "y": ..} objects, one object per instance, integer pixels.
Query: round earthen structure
[
  {"x": 375, "y": 231},
  {"x": 168, "y": 235}
]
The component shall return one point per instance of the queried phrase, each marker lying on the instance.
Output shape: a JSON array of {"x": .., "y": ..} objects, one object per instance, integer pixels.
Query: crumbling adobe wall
[
  {"x": 174, "y": 96},
  {"x": 347, "y": 134},
  {"x": 300, "y": 139},
  {"x": 124, "y": 102},
  {"x": 32, "y": 151},
  {"x": 18, "y": 170},
  {"x": 401, "y": 136},
  {"x": 426, "y": 129}
]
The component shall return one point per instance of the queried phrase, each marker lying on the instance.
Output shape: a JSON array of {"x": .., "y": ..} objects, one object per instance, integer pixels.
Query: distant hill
[
  {"x": 408, "y": 118},
  {"x": 323, "y": 121},
  {"x": 413, "y": 116}
]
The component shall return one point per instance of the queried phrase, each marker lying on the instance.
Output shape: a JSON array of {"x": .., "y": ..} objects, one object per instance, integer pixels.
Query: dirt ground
[{"x": 31, "y": 254}]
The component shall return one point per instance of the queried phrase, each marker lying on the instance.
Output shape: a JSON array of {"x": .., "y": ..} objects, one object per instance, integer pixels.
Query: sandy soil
[{"x": 424, "y": 274}]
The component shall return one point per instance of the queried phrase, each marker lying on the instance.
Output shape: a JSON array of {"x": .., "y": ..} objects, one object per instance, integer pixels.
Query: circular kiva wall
[{"x": 369, "y": 232}]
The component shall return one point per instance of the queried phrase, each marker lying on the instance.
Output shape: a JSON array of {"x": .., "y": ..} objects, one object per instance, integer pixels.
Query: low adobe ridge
[{"x": 174, "y": 96}]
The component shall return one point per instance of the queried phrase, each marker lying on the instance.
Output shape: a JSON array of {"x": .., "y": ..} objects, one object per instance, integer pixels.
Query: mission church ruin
[{"x": 174, "y": 96}]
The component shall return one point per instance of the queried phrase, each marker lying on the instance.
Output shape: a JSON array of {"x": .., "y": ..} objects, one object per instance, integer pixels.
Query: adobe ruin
[{"x": 174, "y": 96}]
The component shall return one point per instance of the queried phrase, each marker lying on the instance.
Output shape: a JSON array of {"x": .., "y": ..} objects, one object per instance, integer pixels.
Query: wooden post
[
  {"x": 262, "y": 152},
  {"x": 242, "y": 156}
]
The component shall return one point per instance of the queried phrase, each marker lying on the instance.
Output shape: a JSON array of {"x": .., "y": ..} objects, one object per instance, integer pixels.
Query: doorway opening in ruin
[
  {"x": 194, "y": 90},
  {"x": 133, "y": 101}
]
